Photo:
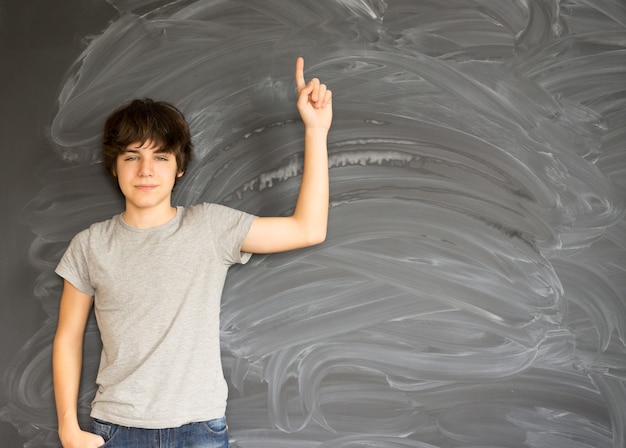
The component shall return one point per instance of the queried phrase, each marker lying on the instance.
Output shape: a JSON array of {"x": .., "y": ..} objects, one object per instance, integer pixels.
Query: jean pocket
[
  {"x": 217, "y": 425},
  {"x": 104, "y": 429}
]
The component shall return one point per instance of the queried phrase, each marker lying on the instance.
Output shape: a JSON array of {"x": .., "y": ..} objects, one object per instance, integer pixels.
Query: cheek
[
  {"x": 119, "y": 169},
  {"x": 123, "y": 176}
]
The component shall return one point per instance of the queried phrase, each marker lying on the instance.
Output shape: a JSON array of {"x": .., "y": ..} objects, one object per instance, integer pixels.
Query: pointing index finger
[{"x": 300, "y": 83}]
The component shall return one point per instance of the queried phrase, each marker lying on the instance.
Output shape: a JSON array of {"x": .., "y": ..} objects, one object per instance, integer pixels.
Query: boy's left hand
[{"x": 314, "y": 100}]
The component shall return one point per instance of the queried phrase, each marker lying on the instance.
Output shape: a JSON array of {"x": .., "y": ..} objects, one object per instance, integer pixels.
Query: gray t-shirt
[{"x": 157, "y": 294}]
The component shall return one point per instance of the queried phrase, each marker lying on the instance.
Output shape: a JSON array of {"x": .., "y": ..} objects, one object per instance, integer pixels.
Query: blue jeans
[{"x": 209, "y": 434}]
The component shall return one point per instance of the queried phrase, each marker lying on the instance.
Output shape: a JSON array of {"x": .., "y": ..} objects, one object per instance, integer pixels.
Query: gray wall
[{"x": 471, "y": 291}]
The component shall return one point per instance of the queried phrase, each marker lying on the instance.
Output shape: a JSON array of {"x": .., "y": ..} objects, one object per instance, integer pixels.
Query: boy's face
[{"x": 146, "y": 175}]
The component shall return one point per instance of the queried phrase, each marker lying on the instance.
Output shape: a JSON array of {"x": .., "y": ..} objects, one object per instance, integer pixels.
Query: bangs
[{"x": 142, "y": 124}]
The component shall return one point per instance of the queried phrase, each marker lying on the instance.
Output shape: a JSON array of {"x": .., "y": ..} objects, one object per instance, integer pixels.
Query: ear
[{"x": 180, "y": 174}]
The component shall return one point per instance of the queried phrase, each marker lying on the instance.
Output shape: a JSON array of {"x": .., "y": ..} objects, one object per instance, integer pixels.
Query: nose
[{"x": 146, "y": 167}]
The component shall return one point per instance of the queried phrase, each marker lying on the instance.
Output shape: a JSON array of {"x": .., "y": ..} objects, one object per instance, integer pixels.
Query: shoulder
[
  {"x": 96, "y": 230},
  {"x": 211, "y": 210},
  {"x": 103, "y": 227},
  {"x": 216, "y": 217}
]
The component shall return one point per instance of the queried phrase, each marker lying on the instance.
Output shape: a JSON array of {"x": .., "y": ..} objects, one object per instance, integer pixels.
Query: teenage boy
[{"x": 155, "y": 275}]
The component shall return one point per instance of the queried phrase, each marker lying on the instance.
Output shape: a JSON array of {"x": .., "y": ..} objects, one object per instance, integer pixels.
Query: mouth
[{"x": 145, "y": 187}]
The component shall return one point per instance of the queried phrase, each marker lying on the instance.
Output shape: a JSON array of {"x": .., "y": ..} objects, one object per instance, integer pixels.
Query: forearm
[
  {"x": 66, "y": 371},
  {"x": 311, "y": 212}
]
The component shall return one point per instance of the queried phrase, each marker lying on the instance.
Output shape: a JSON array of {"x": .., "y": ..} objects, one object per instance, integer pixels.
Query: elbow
[
  {"x": 309, "y": 232},
  {"x": 317, "y": 237}
]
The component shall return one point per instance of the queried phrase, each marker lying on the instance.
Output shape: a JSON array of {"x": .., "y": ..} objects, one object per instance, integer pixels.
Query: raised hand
[{"x": 314, "y": 100}]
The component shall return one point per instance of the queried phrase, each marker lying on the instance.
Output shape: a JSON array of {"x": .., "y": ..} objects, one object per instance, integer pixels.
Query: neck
[{"x": 144, "y": 219}]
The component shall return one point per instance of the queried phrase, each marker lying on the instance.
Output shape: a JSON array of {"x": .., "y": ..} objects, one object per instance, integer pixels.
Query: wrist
[
  {"x": 68, "y": 426},
  {"x": 316, "y": 131}
]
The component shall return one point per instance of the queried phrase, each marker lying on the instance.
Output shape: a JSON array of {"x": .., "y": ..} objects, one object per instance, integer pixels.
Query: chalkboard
[{"x": 471, "y": 291}]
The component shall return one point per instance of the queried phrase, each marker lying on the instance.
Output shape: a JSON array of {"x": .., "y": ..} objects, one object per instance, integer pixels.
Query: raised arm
[
  {"x": 67, "y": 358},
  {"x": 307, "y": 225}
]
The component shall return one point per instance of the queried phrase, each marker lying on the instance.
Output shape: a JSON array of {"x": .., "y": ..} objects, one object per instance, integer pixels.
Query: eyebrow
[{"x": 156, "y": 151}]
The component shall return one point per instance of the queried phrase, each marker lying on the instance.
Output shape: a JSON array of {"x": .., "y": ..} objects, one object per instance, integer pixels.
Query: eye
[
  {"x": 161, "y": 158},
  {"x": 130, "y": 158}
]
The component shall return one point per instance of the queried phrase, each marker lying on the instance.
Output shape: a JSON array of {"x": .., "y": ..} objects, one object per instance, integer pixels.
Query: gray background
[{"x": 471, "y": 289}]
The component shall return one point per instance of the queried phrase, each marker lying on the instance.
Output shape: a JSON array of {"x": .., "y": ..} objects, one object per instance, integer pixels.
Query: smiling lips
[{"x": 145, "y": 187}]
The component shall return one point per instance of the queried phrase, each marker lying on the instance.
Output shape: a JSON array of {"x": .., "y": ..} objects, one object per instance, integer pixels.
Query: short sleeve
[
  {"x": 73, "y": 266},
  {"x": 230, "y": 227}
]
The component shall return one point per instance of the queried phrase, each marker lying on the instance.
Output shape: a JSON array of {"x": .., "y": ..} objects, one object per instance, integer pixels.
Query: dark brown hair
[{"x": 142, "y": 120}]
